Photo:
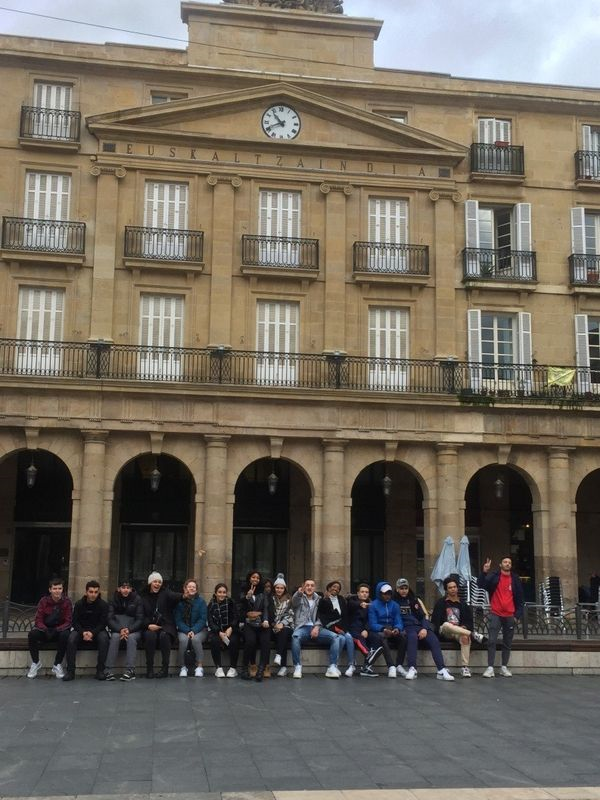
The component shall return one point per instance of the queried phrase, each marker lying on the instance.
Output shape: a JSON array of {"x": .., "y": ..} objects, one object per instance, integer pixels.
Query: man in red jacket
[{"x": 52, "y": 623}]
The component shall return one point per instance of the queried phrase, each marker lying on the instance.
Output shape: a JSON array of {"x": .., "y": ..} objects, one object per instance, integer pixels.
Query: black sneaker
[
  {"x": 373, "y": 655},
  {"x": 100, "y": 675},
  {"x": 368, "y": 672},
  {"x": 108, "y": 676},
  {"x": 128, "y": 675},
  {"x": 164, "y": 673},
  {"x": 69, "y": 676}
]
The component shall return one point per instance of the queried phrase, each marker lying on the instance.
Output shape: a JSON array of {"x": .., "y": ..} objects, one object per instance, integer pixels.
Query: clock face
[{"x": 281, "y": 122}]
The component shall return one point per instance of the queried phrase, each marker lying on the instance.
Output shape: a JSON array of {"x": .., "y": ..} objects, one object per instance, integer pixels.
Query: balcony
[
  {"x": 499, "y": 266},
  {"x": 500, "y": 158},
  {"x": 264, "y": 254},
  {"x": 390, "y": 259},
  {"x": 164, "y": 245},
  {"x": 48, "y": 236},
  {"x": 50, "y": 124},
  {"x": 587, "y": 166},
  {"x": 584, "y": 270},
  {"x": 471, "y": 383}
]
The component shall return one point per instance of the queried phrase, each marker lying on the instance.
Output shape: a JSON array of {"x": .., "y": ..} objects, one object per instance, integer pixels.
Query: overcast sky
[{"x": 548, "y": 41}]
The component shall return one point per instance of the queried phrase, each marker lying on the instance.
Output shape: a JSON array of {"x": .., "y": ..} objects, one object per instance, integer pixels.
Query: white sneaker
[
  {"x": 232, "y": 672},
  {"x": 183, "y": 672},
  {"x": 58, "y": 671},
  {"x": 444, "y": 675},
  {"x": 505, "y": 672},
  {"x": 411, "y": 675},
  {"x": 477, "y": 637},
  {"x": 488, "y": 673},
  {"x": 392, "y": 672},
  {"x": 219, "y": 672},
  {"x": 400, "y": 671},
  {"x": 336, "y": 668},
  {"x": 277, "y": 660},
  {"x": 465, "y": 672},
  {"x": 350, "y": 671},
  {"x": 298, "y": 671},
  {"x": 34, "y": 669},
  {"x": 283, "y": 672},
  {"x": 199, "y": 672},
  {"x": 332, "y": 672}
]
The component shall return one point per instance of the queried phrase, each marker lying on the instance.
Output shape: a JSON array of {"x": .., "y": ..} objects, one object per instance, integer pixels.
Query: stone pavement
[{"x": 209, "y": 736}]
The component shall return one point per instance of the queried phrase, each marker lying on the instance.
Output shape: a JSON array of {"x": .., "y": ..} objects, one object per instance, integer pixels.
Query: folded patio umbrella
[{"x": 445, "y": 564}]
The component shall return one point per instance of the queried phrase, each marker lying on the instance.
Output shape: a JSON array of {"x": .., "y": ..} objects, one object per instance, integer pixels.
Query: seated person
[
  {"x": 223, "y": 622},
  {"x": 125, "y": 623},
  {"x": 90, "y": 615},
  {"x": 52, "y": 624},
  {"x": 358, "y": 627},
  {"x": 283, "y": 623},
  {"x": 333, "y": 613},
  {"x": 256, "y": 617},
  {"x": 386, "y": 625},
  {"x": 190, "y": 621},
  {"x": 308, "y": 627},
  {"x": 159, "y": 603},
  {"x": 452, "y": 619}
]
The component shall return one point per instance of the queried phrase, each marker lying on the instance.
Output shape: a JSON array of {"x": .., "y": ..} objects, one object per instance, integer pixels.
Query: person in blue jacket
[
  {"x": 190, "y": 621},
  {"x": 386, "y": 623}
]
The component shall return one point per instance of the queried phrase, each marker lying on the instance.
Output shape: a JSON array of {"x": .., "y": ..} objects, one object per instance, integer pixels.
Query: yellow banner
[{"x": 560, "y": 376}]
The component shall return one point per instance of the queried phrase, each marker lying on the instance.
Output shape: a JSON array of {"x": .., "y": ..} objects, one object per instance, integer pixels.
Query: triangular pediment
[{"x": 326, "y": 124}]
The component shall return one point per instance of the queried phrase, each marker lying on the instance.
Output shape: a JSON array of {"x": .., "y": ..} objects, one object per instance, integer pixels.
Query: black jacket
[
  {"x": 90, "y": 616},
  {"x": 358, "y": 617},
  {"x": 217, "y": 613},
  {"x": 159, "y": 607},
  {"x": 329, "y": 616},
  {"x": 260, "y": 602},
  {"x": 439, "y": 614},
  {"x": 126, "y": 612}
]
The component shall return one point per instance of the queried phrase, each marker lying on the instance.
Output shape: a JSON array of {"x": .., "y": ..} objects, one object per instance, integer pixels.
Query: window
[
  {"x": 51, "y": 118},
  {"x": 166, "y": 210},
  {"x": 40, "y": 319},
  {"x": 498, "y": 240},
  {"x": 277, "y": 335},
  {"x": 47, "y": 197},
  {"x": 156, "y": 98},
  {"x": 585, "y": 245},
  {"x": 388, "y": 227},
  {"x": 161, "y": 326},
  {"x": 591, "y": 138},
  {"x": 587, "y": 341},
  {"x": 500, "y": 347},
  {"x": 279, "y": 223},
  {"x": 494, "y": 131},
  {"x": 388, "y": 346}
]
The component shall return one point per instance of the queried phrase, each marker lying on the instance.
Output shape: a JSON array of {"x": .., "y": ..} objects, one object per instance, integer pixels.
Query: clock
[{"x": 280, "y": 122}]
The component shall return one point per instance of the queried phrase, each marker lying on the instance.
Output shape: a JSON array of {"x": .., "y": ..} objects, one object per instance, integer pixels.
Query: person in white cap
[
  {"x": 159, "y": 603},
  {"x": 283, "y": 623}
]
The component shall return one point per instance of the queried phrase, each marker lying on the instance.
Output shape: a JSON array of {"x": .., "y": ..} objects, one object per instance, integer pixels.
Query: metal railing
[
  {"x": 587, "y": 165},
  {"x": 473, "y": 383},
  {"x": 280, "y": 252},
  {"x": 408, "y": 259},
  {"x": 581, "y": 621},
  {"x": 502, "y": 158},
  {"x": 163, "y": 244},
  {"x": 17, "y": 619},
  {"x": 499, "y": 265},
  {"x": 50, "y": 123},
  {"x": 43, "y": 235},
  {"x": 584, "y": 269}
]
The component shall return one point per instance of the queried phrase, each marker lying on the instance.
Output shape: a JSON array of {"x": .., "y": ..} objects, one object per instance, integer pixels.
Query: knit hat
[
  {"x": 401, "y": 582},
  {"x": 154, "y": 576},
  {"x": 279, "y": 580}
]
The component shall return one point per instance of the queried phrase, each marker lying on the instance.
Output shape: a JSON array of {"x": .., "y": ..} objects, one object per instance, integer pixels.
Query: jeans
[
  {"x": 131, "y": 648},
  {"x": 431, "y": 641},
  {"x": 508, "y": 628},
  {"x": 37, "y": 635},
  {"x": 302, "y": 634},
  {"x": 347, "y": 642},
  {"x": 197, "y": 646},
  {"x": 76, "y": 638}
]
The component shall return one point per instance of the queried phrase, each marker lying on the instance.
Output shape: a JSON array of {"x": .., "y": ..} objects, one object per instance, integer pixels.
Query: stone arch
[{"x": 587, "y": 498}]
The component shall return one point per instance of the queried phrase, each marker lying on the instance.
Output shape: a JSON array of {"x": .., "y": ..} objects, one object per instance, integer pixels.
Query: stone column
[
  {"x": 445, "y": 271},
  {"x": 216, "y": 539},
  {"x": 106, "y": 235},
  {"x": 222, "y": 258},
  {"x": 335, "y": 532},
  {"x": 448, "y": 519},
  {"x": 334, "y": 267},
  {"x": 563, "y": 533},
  {"x": 90, "y": 544}
]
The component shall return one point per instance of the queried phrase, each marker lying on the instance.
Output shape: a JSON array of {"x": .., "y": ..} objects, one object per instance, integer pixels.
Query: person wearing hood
[
  {"x": 125, "y": 623},
  {"x": 190, "y": 621},
  {"x": 386, "y": 625},
  {"x": 283, "y": 623},
  {"x": 90, "y": 615},
  {"x": 418, "y": 629},
  {"x": 159, "y": 603}
]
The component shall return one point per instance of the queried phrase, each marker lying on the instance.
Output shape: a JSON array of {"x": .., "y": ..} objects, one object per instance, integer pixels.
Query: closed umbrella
[
  {"x": 445, "y": 564},
  {"x": 463, "y": 564}
]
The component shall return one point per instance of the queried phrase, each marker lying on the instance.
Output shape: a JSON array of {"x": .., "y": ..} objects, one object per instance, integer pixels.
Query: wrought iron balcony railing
[
  {"x": 163, "y": 244},
  {"x": 476, "y": 383},
  {"x": 501, "y": 158},
  {"x": 50, "y": 123},
  {"x": 587, "y": 165},
  {"x": 280, "y": 251},
  {"x": 584, "y": 269},
  {"x": 498, "y": 265},
  {"x": 43, "y": 235},
  {"x": 409, "y": 259}
]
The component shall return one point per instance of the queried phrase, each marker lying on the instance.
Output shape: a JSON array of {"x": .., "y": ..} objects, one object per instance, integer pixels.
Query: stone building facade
[{"x": 262, "y": 299}]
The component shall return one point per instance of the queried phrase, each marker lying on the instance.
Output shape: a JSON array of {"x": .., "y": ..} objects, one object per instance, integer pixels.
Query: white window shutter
[
  {"x": 578, "y": 231},
  {"x": 474, "y": 348},
  {"x": 41, "y": 314},
  {"x": 586, "y": 135},
  {"x": 522, "y": 217},
  {"x": 524, "y": 338},
  {"x": 503, "y": 130},
  {"x": 472, "y": 223},
  {"x": 582, "y": 353},
  {"x": 47, "y": 195},
  {"x": 486, "y": 130}
]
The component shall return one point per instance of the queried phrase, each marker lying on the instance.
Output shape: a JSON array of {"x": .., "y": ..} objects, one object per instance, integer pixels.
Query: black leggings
[
  {"x": 253, "y": 638},
  {"x": 37, "y": 636},
  {"x": 217, "y": 647},
  {"x": 163, "y": 640},
  {"x": 282, "y": 643}
]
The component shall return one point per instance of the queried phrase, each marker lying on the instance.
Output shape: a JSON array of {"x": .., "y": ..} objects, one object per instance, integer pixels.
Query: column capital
[
  {"x": 108, "y": 169},
  {"x": 345, "y": 188},
  {"x": 559, "y": 451},
  {"x": 447, "y": 448},
  {"x": 216, "y": 440},
  {"x": 235, "y": 182},
  {"x": 90, "y": 436},
  {"x": 334, "y": 445},
  {"x": 445, "y": 194}
]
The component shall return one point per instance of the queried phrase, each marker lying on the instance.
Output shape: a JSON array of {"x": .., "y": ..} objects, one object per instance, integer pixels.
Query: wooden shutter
[
  {"x": 474, "y": 347},
  {"x": 472, "y": 223},
  {"x": 277, "y": 327},
  {"x": 41, "y": 314},
  {"x": 578, "y": 231},
  {"x": 388, "y": 333},
  {"x": 388, "y": 220},
  {"x": 487, "y": 130},
  {"x": 525, "y": 374},
  {"x": 502, "y": 130},
  {"x": 166, "y": 205},
  {"x": 279, "y": 214},
  {"x": 522, "y": 224},
  {"x": 47, "y": 195},
  {"x": 161, "y": 320},
  {"x": 52, "y": 95},
  {"x": 582, "y": 353},
  {"x": 586, "y": 135}
]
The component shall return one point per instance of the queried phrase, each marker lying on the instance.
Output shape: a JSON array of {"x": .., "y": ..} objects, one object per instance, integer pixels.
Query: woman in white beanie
[
  {"x": 159, "y": 603},
  {"x": 283, "y": 623}
]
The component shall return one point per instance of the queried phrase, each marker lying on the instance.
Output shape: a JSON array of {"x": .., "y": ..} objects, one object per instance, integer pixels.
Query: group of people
[{"x": 390, "y": 625}]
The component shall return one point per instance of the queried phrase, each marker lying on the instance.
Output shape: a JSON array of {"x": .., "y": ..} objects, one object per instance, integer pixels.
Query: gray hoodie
[{"x": 303, "y": 613}]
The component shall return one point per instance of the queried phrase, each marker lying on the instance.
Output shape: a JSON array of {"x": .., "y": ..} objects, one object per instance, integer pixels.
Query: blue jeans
[
  {"x": 347, "y": 642},
  {"x": 302, "y": 634}
]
